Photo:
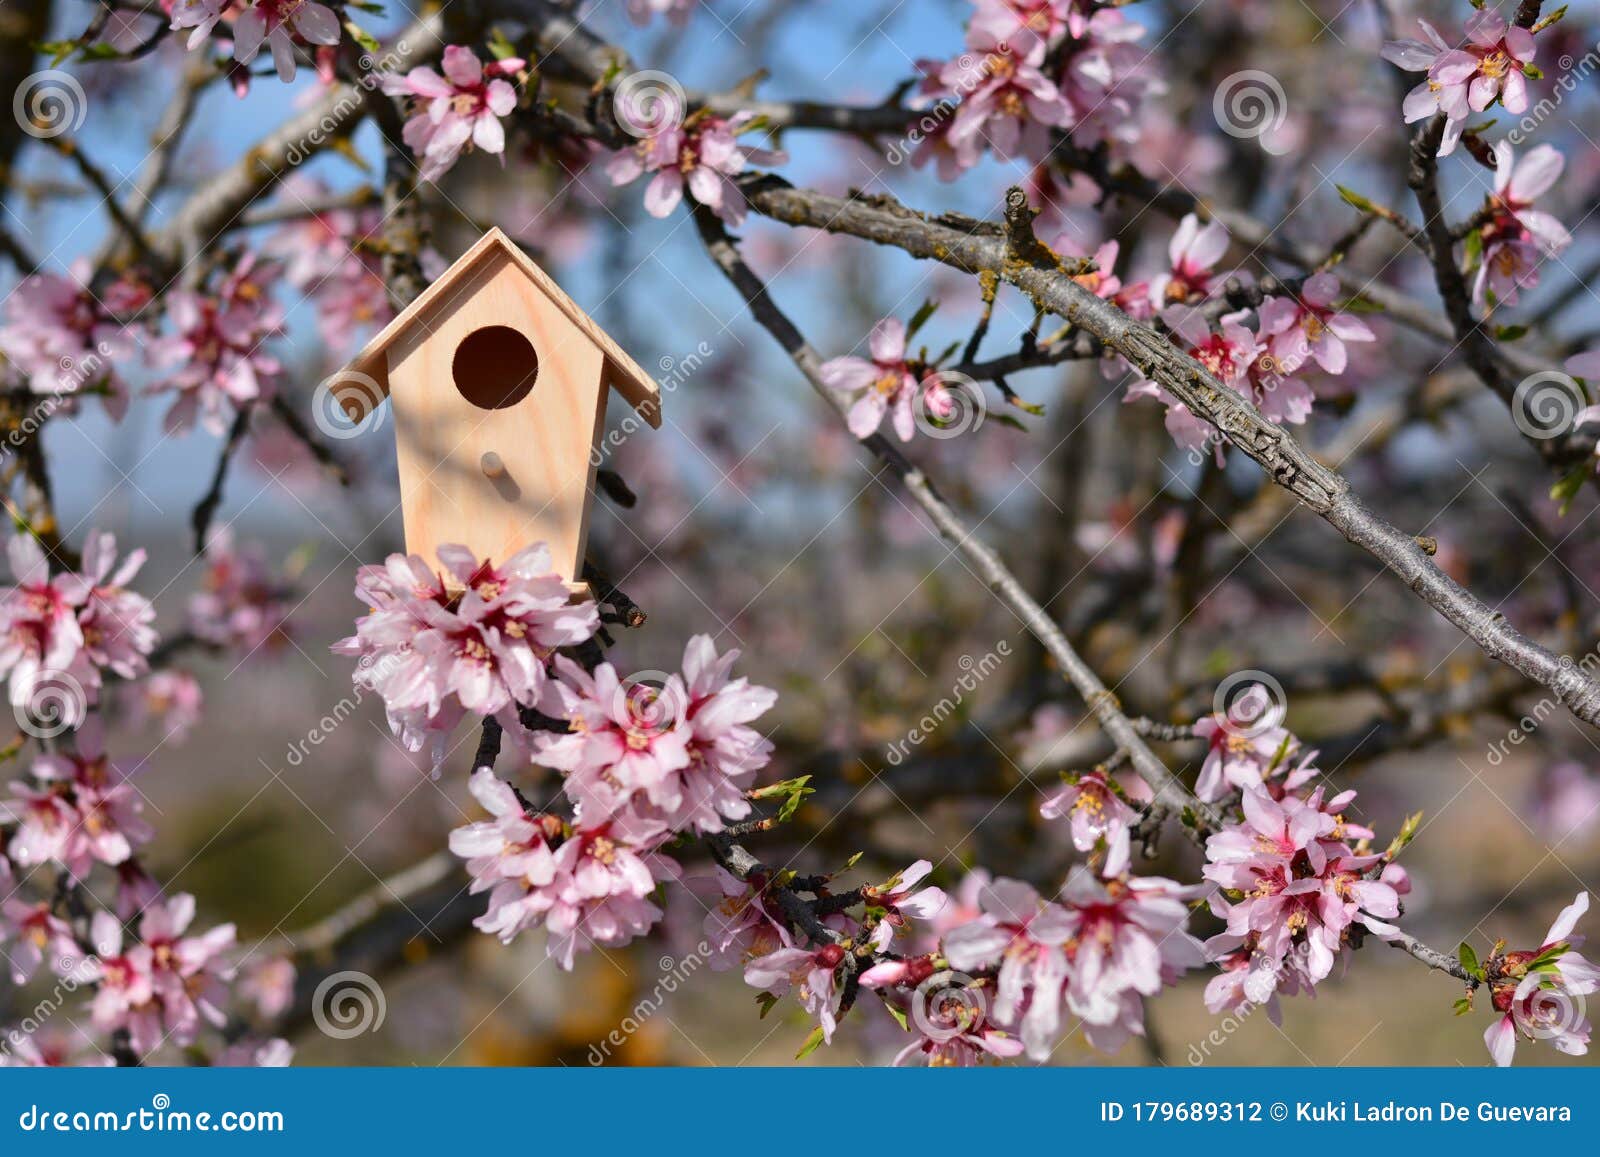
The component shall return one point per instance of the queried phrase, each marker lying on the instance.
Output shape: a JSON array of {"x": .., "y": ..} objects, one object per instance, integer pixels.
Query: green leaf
[
  {"x": 1355, "y": 199},
  {"x": 782, "y": 787},
  {"x": 898, "y": 1013},
  {"x": 1008, "y": 420},
  {"x": 766, "y": 1000},
  {"x": 369, "y": 43},
  {"x": 918, "y": 319},
  {"x": 811, "y": 1045},
  {"x": 1463, "y": 1006},
  {"x": 502, "y": 48},
  {"x": 1468, "y": 958},
  {"x": 1472, "y": 248},
  {"x": 1533, "y": 72},
  {"x": 1567, "y": 489},
  {"x": 1510, "y": 332},
  {"x": 1547, "y": 21},
  {"x": 945, "y": 353}
]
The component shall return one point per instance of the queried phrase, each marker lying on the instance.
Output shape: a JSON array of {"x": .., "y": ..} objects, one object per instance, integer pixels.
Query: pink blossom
[
  {"x": 1243, "y": 744},
  {"x": 902, "y": 902},
  {"x": 887, "y": 382},
  {"x": 85, "y": 812},
  {"x": 1310, "y": 326},
  {"x": 479, "y": 642},
  {"x": 1518, "y": 237},
  {"x": 1095, "y": 812},
  {"x": 37, "y": 937},
  {"x": 63, "y": 630},
  {"x": 741, "y": 920},
  {"x": 1025, "y": 937},
  {"x": 1564, "y": 801},
  {"x": 278, "y": 22},
  {"x": 1022, "y": 22},
  {"x": 1193, "y": 252},
  {"x": 1462, "y": 81},
  {"x": 1107, "y": 79},
  {"x": 255, "y": 1054},
  {"x": 166, "y": 983},
  {"x": 269, "y": 986},
  {"x": 462, "y": 107},
  {"x": 50, "y": 1048},
  {"x": 240, "y": 603},
  {"x": 68, "y": 340},
  {"x": 334, "y": 257},
  {"x": 215, "y": 347},
  {"x": 1007, "y": 104},
  {"x": 700, "y": 153},
  {"x": 1540, "y": 993},
  {"x": 170, "y": 698},
  {"x": 201, "y": 15},
  {"x": 1128, "y": 938},
  {"x": 812, "y": 974}
]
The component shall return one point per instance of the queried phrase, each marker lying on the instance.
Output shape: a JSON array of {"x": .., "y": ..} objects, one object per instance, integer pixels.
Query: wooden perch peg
[{"x": 497, "y": 382}]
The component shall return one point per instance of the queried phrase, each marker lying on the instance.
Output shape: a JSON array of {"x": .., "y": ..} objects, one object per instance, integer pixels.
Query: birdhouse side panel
[{"x": 495, "y": 430}]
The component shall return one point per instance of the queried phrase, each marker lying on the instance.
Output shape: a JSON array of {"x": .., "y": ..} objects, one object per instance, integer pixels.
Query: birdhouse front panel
[{"x": 498, "y": 405}]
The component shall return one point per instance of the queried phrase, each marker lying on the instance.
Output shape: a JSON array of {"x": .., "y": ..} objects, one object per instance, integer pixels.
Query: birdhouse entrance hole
[{"x": 495, "y": 367}]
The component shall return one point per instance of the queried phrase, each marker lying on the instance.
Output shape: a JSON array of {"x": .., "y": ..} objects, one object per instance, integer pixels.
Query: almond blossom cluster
[
  {"x": 214, "y": 350},
  {"x": 279, "y": 24},
  {"x": 240, "y": 603},
  {"x": 641, "y": 764},
  {"x": 1033, "y": 68},
  {"x": 890, "y": 382},
  {"x": 1539, "y": 993},
  {"x": 699, "y": 152},
  {"x": 461, "y": 108},
  {"x": 1492, "y": 66},
  {"x": 475, "y": 638},
  {"x": 1517, "y": 238},
  {"x": 68, "y": 339},
  {"x": 62, "y": 632},
  {"x": 1295, "y": 333}
]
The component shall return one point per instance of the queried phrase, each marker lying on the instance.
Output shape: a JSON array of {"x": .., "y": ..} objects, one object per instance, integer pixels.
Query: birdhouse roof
[{"x": 623, "y": 373}]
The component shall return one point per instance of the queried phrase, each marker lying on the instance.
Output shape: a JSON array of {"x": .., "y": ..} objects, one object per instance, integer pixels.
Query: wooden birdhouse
[{"x": 497, "y": 386}]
